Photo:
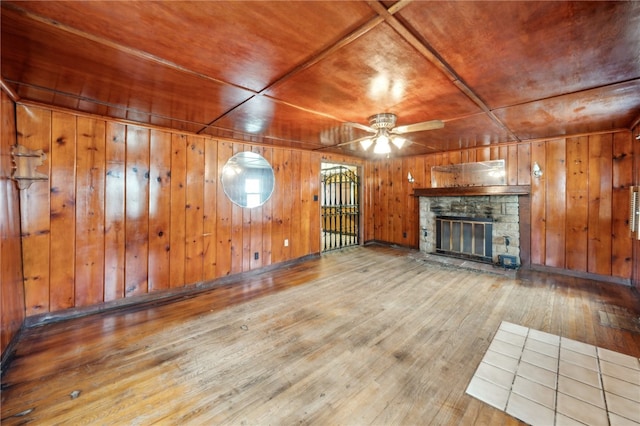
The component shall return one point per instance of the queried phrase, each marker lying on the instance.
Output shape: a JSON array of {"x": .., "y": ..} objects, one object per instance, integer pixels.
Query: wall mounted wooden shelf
[
  {"x": 25, "y": 163},
  {"x": 466, "y": 191}
]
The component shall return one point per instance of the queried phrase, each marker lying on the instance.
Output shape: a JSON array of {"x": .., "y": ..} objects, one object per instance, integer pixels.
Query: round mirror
[{"x": 248, "y": 179}]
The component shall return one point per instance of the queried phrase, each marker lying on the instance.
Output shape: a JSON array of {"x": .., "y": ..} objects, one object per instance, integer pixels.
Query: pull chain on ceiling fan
[{"x": 386, "y": 132}]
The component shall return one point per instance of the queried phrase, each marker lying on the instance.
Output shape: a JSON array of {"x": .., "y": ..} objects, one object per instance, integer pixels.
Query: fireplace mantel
[{"x": 466, "y": 191}]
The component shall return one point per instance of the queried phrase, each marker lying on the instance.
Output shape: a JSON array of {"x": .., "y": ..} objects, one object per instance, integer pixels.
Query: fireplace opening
[{"x": 465, "y": 237}]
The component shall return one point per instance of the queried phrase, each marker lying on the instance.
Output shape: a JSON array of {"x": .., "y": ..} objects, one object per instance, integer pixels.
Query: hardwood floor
[{"x": 366, "y": 335}]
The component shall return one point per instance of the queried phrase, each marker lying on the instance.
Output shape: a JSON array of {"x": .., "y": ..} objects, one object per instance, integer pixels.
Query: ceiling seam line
[
  {"x": 368, "y": 26},
  {"x": 301, "y": 108},
  {"x": 435, "y": 58},
  {"x": 405, "y": 33},
  {"x": 230, "y": 110},
  {"x": 344, "y": 41},
  {"x": 631, "y": 80}
]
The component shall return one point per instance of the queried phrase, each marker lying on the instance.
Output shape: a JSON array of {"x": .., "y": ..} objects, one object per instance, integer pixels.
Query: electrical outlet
[
  {"x": 256, "y": 255},
  {"x": 286, "y": 243}
]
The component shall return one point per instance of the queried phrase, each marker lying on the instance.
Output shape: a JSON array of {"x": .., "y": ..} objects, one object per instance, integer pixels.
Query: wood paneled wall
[
  {"x": 11, "y": 288},
  {"x": 131, "y": 210},
  {"x": 579, "y": 207}
]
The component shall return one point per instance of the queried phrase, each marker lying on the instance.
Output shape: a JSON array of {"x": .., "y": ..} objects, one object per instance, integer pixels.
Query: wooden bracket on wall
[{"x": 25, "y": 163}]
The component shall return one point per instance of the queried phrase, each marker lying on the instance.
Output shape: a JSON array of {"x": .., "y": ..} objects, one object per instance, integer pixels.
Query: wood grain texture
[
  {"x": 12, "y": 307},
  {"x": 305, "y": 205},
  {"x": 512, "y": 163},
  {"x": 295, "y": 228},
  {"x": 34, "y": 132},
  {"x": 114, "y": 221},
  {"x": 237, "y": 227},
  {"x": 556, "y": 205},
  {"x": 266, "y": 220},
  {"x": 600, "y": 198},
  {"x": 63, "y": 210},
  {"x": 255, "y": 235},
  {"x": 524, "y": 164},
  {"x": 366, "y": 335},
  {"x": 159, "y": 211},
  {"x": 210, "y": 215},
  {"x": 621, "y": 244},
  {"x": 577, "y": 195},
  {"x": 194, "y": 216},
  {"x": 178, "y": 210},
  {"x": 90, "y": 198},
  {"x": 278, "y": 213},
  {"x": 137, "y": 211},
  {"x": 224, "y": 216}
]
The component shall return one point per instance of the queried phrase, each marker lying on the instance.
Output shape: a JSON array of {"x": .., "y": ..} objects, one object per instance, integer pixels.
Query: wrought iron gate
[{"x": 340, "y": 189}]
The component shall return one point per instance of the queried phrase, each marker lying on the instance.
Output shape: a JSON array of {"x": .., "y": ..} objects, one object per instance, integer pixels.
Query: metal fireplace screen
[{"x": 464, "y": 237}]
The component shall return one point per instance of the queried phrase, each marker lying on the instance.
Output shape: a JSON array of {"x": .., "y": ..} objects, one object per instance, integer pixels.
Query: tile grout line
[
  {"x": 515, "y": 373},
  {"x": 604, "y": 395}
]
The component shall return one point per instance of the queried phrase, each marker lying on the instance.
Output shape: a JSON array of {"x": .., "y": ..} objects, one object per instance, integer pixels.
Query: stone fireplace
[{"x": 502, "y": 210}]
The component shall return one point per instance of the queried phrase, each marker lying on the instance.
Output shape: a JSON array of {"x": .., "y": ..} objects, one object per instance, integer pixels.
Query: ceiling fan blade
[
  {"x": 410, "y": 142},
  {"x": 343, "y": 143},
  {"x": 351, "y": 141},
  {"x": 418, "y": 127},
  {"x": 361, "y": 127}
]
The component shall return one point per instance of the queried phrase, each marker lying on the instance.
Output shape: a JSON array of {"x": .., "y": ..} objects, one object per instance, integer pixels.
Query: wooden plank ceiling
[{"x": 297, "y": 73}]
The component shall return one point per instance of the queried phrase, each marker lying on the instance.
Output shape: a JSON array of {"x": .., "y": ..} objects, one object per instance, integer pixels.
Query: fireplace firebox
[{"x": 465, "y": 237}]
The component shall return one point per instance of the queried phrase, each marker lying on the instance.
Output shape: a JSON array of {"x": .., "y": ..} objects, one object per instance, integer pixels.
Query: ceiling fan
[{"x": 383, "y": 126}]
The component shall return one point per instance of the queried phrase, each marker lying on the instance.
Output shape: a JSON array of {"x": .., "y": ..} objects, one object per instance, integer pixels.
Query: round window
[{"x": 248, "y": 179}]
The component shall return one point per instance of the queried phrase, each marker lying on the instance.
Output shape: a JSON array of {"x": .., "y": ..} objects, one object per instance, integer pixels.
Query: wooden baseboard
[
  {"x": 9, "y": 351},
  {"x": 388, "y": 244},
  {"x": 540, "y": 268},
  {"x": 157, "y": 297},
  {"x": 580, "y": 274}
]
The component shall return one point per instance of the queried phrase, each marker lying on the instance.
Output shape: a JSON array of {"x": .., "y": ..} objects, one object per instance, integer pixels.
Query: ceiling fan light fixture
[
  {"x": 398, "y": 141},
  {"x": 382, "y": 146},
  {"x": 382, "y": 138},
  {"x": 383, "y": 126},
  {"x": 366, "y": 143}
]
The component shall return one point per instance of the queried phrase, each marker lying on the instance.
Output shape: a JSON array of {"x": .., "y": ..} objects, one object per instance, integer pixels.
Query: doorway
[{"x": 340, "y": 204}]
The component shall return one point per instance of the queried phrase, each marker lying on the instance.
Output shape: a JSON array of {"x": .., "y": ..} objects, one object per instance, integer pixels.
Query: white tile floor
[{"x": 543, "y": 379}]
